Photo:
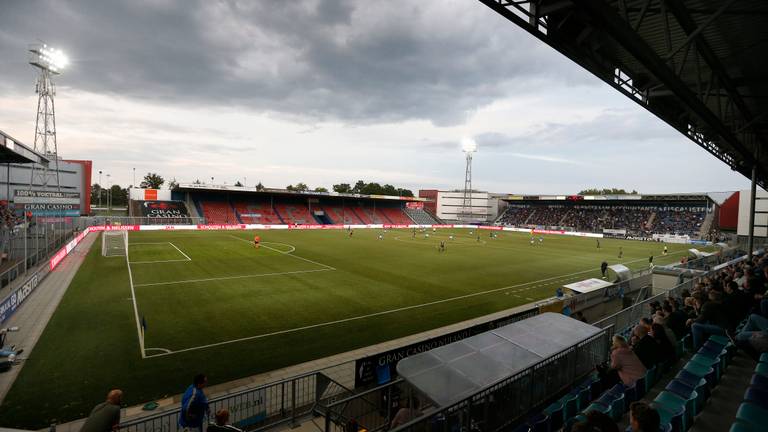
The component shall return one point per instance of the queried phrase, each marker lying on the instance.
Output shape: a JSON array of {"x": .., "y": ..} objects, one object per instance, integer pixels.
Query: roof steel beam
[{"x": 689, "y": 26}]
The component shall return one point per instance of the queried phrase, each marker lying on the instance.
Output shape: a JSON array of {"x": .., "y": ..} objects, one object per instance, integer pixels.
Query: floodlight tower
[
  {"x": 468, "y": 146},
  {"x": 50, "y": 62}
]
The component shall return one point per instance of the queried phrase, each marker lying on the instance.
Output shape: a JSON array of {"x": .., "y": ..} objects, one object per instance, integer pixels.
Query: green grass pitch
[{"x": 214, "y": 303}]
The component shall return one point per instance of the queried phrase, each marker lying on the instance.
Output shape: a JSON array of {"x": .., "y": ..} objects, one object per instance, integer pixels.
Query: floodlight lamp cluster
[
  {"x": 468, "y": 145},
  {"x": 47, "y": 58}
]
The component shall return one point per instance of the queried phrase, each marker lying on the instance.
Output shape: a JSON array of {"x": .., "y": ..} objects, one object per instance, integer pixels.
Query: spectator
[
  {"x": 194, "y": 404},
  {"x": 711, "y": 320},
  {"x": 755, "y": 324},
  {"x": 665, "y": 350},
  {"x": 105, "y": 417},
  {"x": 661, "y": 319},
  {"x": 624, "y": 362},
  {"x": 407, "y": 413},
  {"x": 735, "y": 304},
  {"x": 644, "y": 347},
  {"x": 643, "y": 418},
  {"x": 675, "y": 319},
  {"x": 222, "y": 418}
]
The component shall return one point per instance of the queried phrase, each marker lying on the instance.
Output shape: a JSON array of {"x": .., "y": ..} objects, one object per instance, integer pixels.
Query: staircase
[
  {"x": 649, "y": 223},
  {"x": 706, "y": 226},
  {"x": 529, "y": 217}
]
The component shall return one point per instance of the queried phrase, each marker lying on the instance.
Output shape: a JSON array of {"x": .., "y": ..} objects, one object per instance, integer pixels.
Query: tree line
[
  {"x": 607, "y": 191},
  {"x": 156, "y": 181}
]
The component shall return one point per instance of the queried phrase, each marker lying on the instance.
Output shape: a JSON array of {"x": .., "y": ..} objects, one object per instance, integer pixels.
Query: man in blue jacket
[{"x": 194, "y": 405}]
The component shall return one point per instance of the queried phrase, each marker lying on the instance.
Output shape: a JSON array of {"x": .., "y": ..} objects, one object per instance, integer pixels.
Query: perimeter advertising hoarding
[
  {"x": 47, "y": 203},
  {"x": 164, "y": 209},
  {"x": 380, "y": 368},
  {"x": 415, "y": 205},
  {"x": 53, "y": 197}
]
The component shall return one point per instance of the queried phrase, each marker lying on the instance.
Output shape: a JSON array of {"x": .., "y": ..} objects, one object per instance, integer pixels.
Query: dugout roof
[
  {"x": 699, "y": 65},
  {"x": 460, "y": 369}
]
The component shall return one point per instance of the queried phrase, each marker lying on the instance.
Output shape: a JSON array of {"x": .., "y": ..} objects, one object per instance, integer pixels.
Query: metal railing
[
  {"x": 501, "y": 405},
  {"x": 623, "y": 320},
  {"x": 29, "y": 247},
  {"x": 266, "y": 406},
  {"x": 372, "y": 409}
]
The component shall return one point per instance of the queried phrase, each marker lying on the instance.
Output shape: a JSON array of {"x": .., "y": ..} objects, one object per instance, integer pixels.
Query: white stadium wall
[
  {"x": 138, "y": 194},
  {"x": 761, "y": 213},
  {"x": 71, "y": 199}
]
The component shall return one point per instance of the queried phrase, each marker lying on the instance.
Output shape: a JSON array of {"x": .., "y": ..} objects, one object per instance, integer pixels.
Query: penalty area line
[
  {"x": 180, "y": 251},
  {"x": 375, "y": 314}
]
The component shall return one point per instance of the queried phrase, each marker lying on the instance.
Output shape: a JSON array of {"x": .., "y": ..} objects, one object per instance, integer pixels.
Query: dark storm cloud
[
  {"x": 358, "y": 62},
  {"x": 611, "y": 129}
]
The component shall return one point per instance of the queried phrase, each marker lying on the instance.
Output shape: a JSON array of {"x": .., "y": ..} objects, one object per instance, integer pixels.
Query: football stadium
[{"x": 214, "y": 304}]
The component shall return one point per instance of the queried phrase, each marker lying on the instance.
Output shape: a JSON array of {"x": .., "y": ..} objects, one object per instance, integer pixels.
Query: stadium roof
[
  {"x": 699, "y": 65},
  {"x": 308, "y": 194},
  {"x": 12, "y": 151}
]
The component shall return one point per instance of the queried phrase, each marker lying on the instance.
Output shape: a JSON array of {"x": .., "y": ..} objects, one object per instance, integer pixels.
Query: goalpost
[{"x": 114, "y": 243}]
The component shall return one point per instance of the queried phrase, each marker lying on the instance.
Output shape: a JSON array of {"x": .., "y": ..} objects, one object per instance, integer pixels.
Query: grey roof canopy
[
  {"x": 461, "y": 369},
  {"x": 699, "y": 65}
]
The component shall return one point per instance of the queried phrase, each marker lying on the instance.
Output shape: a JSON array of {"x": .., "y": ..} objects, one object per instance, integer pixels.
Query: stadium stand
[
  {"x": 420, "y": 216},
  {"x": 361, "y": 214},
  {"x": 294, "y": 213},
  {"x": 341, "y": 215},
  {"x": 393, "y": 215},
  {"x": 217, "y": 212},
  {"x": 678, "y": 222},
  {"x": 637, "y": 220},
  {"x": 255, "y": 212}
]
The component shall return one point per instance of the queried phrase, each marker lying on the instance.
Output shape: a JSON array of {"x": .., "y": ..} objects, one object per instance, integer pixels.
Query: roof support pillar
[{"x": 752, "y": 191}]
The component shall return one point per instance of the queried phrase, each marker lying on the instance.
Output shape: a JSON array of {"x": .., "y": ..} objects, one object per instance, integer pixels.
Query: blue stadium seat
[
  {"x": 686, "y": 392},
  {"x": 757, "y": 396},
  {"x": 759, "y": 381},
  {"x": 540, "y": 423},
  {"x": 674, "y": 404},
  {"x": 571, "y": 407},
  {"x": 762, "y": 369},
  {"x": 555, "y": 413},
  {"x": 752, "y": 415}
]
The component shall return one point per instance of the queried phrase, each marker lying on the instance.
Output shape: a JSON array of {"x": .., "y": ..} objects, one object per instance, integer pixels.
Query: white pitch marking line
[
  {"x": 160, "y": 349},
  {"x": 286, "y": 253},
  {"x": 177, "y": 248},
  {"x": 233, "y": 277},
  {"x": 386, "y": 312},
  {"x": 160, "y": 261},
  {"x": 147, "y": 243},
  {"x": 135, "y": 307}
]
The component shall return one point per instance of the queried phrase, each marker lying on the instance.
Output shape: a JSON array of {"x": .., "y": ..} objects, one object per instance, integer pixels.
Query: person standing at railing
[
  {"x": 105, "y": 417},
  {"x": 194, "y": 405}
]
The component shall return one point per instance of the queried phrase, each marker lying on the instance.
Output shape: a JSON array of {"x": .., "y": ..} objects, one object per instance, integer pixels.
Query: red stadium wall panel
[
  {"x": 86, "y": 197},
  {"x": 729, "y": 212},
  {"x": 431, "y": 194}
]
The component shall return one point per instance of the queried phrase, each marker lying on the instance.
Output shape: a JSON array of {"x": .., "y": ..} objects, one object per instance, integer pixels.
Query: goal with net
[{"x": 114, "y": 243}]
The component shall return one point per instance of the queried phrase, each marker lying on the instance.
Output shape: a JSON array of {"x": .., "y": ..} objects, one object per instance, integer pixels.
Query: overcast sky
[{"x": 330, "y": 91}]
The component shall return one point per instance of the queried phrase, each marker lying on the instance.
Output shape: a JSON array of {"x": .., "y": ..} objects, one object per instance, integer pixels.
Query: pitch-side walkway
[
  {"x": 340, "y": 367},
  {"x": 38, "y": 308}
]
